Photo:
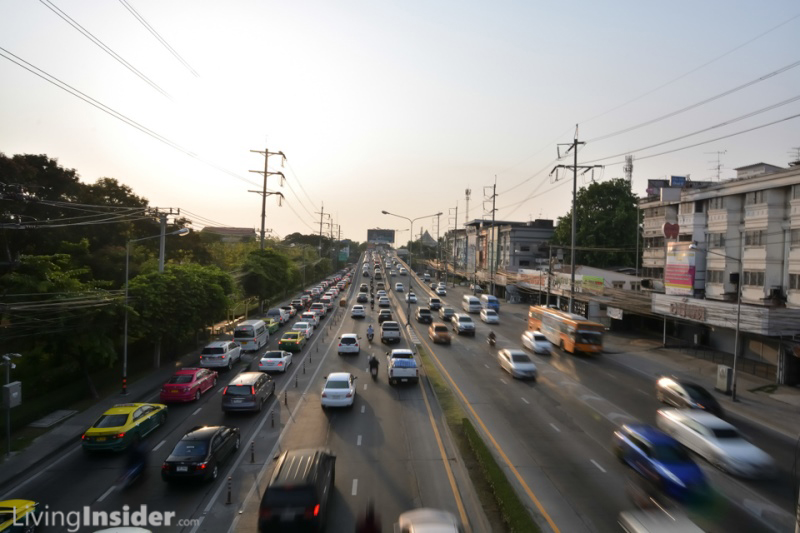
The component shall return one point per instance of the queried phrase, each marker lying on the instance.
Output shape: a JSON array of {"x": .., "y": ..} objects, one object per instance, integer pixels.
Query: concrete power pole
[
  {"x": 263, "y": 192},
  {"x": 455, "y": 231},
  {"x": 492, "y": 247}
]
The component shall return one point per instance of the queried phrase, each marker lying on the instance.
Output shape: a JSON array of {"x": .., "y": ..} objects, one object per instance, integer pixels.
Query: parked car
[
  {"x": 490, "y": 316},
  {"x": 292, "y": 341},
  {"x": 200, "y": 452},
  {"x": 536, "y": 342},
  {"x": 348, "y": 343},
  {"x": 339, "y": 390},
  {"x": 187, "y": 384},
  {"x": 220, "y": 354},
  {"x": 686, "y": 395},
  {"x": 275, "y": 361},
  {"x": 658, "y": 457},
  {"x": 424, "y": 316},
  {"x": 716, "y": 441},
  {"x": 248, "y": 391},
  {"x": 123, "y": 425},
  {"x": 439, "y": 333},
  {"x": 517, "y": 363}
]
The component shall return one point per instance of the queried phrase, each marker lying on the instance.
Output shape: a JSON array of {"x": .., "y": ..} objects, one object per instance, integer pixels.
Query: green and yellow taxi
[
  {"x": 17, "y": 516},
  {"x": 123, "y": 425},
  {"x": 272, "y": 325},
  {"x": 292, "y": 341}
]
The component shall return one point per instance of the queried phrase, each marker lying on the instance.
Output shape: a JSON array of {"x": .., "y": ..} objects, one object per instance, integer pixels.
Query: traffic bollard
[
  {"x": 304, "y": 367},
  {"x": 285, "y": 398},
  {"x": 272, "y": 417},
  {"x": 252, "y": 451},
  {"x": 229, "y": 491},
  {"x": 295, "y": 381}
]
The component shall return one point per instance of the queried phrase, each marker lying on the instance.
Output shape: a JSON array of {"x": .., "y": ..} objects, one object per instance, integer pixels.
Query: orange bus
[{"x": 571, "y": 333}]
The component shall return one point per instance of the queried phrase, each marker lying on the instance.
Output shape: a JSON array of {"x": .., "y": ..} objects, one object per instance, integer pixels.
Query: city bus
[{"x": 572, "y": 333}]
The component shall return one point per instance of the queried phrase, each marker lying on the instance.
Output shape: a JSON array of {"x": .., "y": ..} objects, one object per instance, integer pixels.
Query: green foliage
[
  {"x": 607, "y": 219},
  {"x": 266, "y": 273}
]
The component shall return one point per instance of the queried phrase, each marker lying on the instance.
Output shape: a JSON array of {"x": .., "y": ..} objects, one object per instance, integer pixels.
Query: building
[{"x": 723, "y": 256}]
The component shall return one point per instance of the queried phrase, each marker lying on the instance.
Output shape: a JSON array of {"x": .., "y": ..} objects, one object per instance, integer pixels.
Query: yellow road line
[{"x": 486, "y": 432}]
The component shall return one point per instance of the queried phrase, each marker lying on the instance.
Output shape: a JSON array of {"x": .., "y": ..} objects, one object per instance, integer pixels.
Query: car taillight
[
  {"x": 121, "y": 435},
  {"x": 225, "y": 391},
  {"x": 312, "y": 511},
  {"x": 83, "y": 437},
  {"x": 201, "y": 466},
  {"x": 349, "y": 394},
  {"x": 265, "y": 513},
  {"x": 324, "y": 395},
  {"x": 253, "y": 390},
  {"x": 165, "y": 466}
]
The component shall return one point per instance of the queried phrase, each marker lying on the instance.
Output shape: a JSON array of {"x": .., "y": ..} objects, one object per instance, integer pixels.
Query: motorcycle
[
  {"x": 370, "y": 336},
  {"x": 131, "y": 476},
  {"x": 492, "y": 341},
  {"x": 374, "y": 372}
]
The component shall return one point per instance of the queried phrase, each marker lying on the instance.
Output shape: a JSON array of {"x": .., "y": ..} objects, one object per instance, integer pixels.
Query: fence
[{"x": 749, "y": 366}]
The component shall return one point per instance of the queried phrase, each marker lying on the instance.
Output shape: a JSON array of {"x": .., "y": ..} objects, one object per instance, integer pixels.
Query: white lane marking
[
  {"x": 555, "y": 427},
  {"x": 484, "y": 364},
  {"x": 612, "y": 376},
  {"x": 504, "y": 382},
  {"x": 363, "y": 408},
  {"x": 365, "y": 386},
  {"x": 222, "y": 388},
  {"x": 197, "y": 411},
  {"x": 358, "y": 441},
  {"x": 603, "y": 470},
  {"x": 105, "y": 494},
  {"x": 159, "y": 445},
  {"x": 526, "y": 401},
  {"x": 642, "y": 392},
  {"x": 355, "y": 487},
  {"x": 16, "y": 490},
  {"x": 197, "y": 525}
]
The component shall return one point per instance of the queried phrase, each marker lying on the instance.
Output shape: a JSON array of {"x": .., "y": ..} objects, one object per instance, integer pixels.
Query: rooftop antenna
[
  {"x": 794, "y": 153},
  {"x": 628, "y": 169},
  {"x": 466, "y": 211},
  {"x": 718, "y": 167}
]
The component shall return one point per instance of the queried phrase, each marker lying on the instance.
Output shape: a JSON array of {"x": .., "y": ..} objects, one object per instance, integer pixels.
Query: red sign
[{"x": 670, "y": 230}]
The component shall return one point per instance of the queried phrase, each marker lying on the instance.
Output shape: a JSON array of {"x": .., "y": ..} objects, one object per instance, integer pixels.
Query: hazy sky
[{"x": 396, "y": 106}]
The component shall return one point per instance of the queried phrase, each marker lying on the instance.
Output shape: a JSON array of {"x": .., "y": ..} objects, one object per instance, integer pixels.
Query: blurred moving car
[
  {"x": 441, "y": 291},
  {"x": 426, "y": 520},
  {"x": 657, "y": 520},
  {"x": 490, "y": 316},
  {"x": 123, "y": 425},
  {"x": 447, "y": 313},
  {"x": 536, "y": 342},
  {"x": 439, "y": 333},
  {"x": 383, "y": 301},
  {"x": 424, "y": 316},
  {"x": 463, "y": 324},
  {"x": 686, "y": 395},
  {"x": 517, "y": 363},
  {"x": 362, "y": 298},
  {"x": 716, "y": 441},
  {"x": 272, "y": 325},
  {"x": 187, "y": 384},
  {"x": 435, "y": 304},
  {"x": 312, "y": 318},
  {"x": 275, "y": 361},
  {"x": 200, "y": 452},
  {"x": 658, "y": 457},
  {"x": 399, "y": 287},
  {"x": 384, "y": 315},
  {"x": 248, "y": 391},
  {"x": 411, "y": 298},
  {"x": 339, "y": 390}
]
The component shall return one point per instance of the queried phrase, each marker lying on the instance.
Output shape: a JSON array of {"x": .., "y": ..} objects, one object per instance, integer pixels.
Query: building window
[
  {"x": 715, "y": 276},
  {"x": 754, "y": 238},
  {"x": 795, "y": 237},
  {"x": 795, "y": 192},
  {"x": 654, "y": 242},
  {"x": 753, "y": 278},
  {"x": 524, "y": 263},
  {"x": 686, "y": 208},
  {"x": 618, "y": 284},
  {"x": 525, "y": 248},
  {"x": 652, "y": 212},
  {"x": 753, "y": 198},
  {"x": 636, "y": 286},
  {"x": 716, "y": 203},
  {"x": 794, "y": 282},
  {"x": 716, "y": 240}
]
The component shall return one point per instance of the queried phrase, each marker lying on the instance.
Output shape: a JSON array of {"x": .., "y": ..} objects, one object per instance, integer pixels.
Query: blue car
[{"x": 661, "y": 459}]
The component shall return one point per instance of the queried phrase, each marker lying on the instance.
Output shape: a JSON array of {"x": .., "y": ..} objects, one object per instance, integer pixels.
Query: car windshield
[
  {"x": 440, "y": 329},
  {"x": 191, "y": 448},
  {"x": 406, "y": 355},
  {"x": 520, "y": 358},
  {"x": 111, "y": 421},
  {"x": 348, "y": 340},
  {"x": 726, "y": 433},
  {"x": 337, "y": 384},
  {"x": 181, "y": 378},
  {"x": 290, "y": 336},
  {"x": 489, "y": 312},
  {"x": 698, "y": 393},
  {"x": 212, "y": 351},
  {"x": 273, "y": 355},
  {"x": 239, "y": 390},
  {"x": 465, "y": 319},
  {"x": 539, "y": 338},
  {"x": 670, "y": 454},
  {"x": 300, "y": 326},
  {"x": 589, "y": 337},
  {"x": 243, "y": 332}
]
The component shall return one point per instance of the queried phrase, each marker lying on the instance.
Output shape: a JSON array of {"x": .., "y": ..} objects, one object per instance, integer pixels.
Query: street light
[
  {"x": 181, "y": 232},
  {"x": 6, "y": 362},
  {"x": 411, "y": 234},
  {"x": 694, "y": 246}
]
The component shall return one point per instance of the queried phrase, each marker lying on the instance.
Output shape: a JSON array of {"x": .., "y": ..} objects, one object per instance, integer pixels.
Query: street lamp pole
[
  {"x": 181, "y": 232},
  {"x": 411, "y": 236},
  {"x": 9, "y": 365}
]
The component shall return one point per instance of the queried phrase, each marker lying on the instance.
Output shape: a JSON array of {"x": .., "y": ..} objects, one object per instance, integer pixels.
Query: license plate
[
  {"x": 288, "y": 516},
  {"x": 404, "y": 379},
  {"x": 100, "y": 439},
  {"x": 237, "y": 400},
  {"x": 182, "y": 469},
  {"x": 175, "y": 391}
]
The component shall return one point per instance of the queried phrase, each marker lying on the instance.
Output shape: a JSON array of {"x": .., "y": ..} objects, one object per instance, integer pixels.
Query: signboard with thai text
[{"x": 680, "y": 271}]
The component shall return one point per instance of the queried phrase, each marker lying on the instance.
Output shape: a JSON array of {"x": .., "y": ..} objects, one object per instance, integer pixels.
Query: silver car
[
  {"x": 517, "y": 363},
  {"x": 275, "y": 361},
  {"x": 428, "y": 520},
  {"x": 536, "y": 342}
]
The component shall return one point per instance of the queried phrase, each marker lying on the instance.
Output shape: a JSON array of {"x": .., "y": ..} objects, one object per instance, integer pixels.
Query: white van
[
  {"x": 471, "y": 304},
  {"x": 490, "y": 302},
  {"x": 252, "y": 335}
]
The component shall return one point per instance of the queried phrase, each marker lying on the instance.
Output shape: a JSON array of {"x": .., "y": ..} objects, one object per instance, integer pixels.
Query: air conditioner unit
[{"x": 776, "y": 293}]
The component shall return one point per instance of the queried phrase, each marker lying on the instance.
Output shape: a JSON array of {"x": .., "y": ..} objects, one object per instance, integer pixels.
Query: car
[
  {"x": 19, "y": 516},
  {"x": 363, "y": 288},
  {"x": 717, "y": 441},
  {"x": 411, "y": 298},
  {"x": 517, "y": 363},
  {"x": 306, "y": 328},
  {"x": 441, "y": 291},
  {"x": 381, "y": 294},
  {"x": 657, "y": 457},
  {"x": 392, "y": 273},
  {"x": 686, "y": 395},
  {"x": 447, "y": 313},
  {"x": 490, "y": 316},
  {"x": 383, "y": 302},
  {"x": 362, "y": 298},
  {"x": 365, "y": 273},
  {"x": 298, "y": 304},
  {"x": 220, "y": 354},
  {"x": 402, "y": 271},
  {"x": 327, "y": 301},
  {"x": 310, "y": 317},
  {"x": 435, "y": 304},
  {"x": 383, "y": 315},
  {"x": 187, "y": 384},
  {"x": 339, "y": 390},
  {"x": 399, "y": 287},
  {"x": 536, "y": 342},
  {"x": 319, "y": 307},
  {"x": 248, "y": 391},
  {"x": 426, "y": 277},
  {"x": 439, "y": 332},
  {"x": 348, "y": 343},
  {"x": 358, "y": 312},
  {"x": 275, "y": 361},
  {"x": 292, "y": 341},
  {"x": 198, "y": 455},
  {"x": 442, "y": 284},
  {"x": 434, "y": 286},
  {"x": 463, "y": 324},
  {"x": 424, "y": 316},
  {"x": 426, "y": 520},
  {"x": 290, "y": 310},
  {"x": 123, "y": 425},
  {"x": 272, "y": 325},
  {"x": 278, "y": 314}
]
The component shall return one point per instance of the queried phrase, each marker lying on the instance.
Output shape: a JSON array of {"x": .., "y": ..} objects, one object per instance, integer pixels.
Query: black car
[
  {"x": 686, "y": 395},
  {"x": 200, "y": 452},
  {"x": 424, "y": 315},
  {"x": 435, "y": 304},
  {"x": 384, "y": 315},
  {"x": 362, "y": 298}
]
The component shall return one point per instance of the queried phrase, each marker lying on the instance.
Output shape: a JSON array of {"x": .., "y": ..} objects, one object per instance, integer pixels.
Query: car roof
[
  {"x": 462, "y": 315},
  {"x": 297, "y": 467},
  {"x": 202, "y": 432},
  {"x": 513, "y": 351},
  {"x": 185, "y": 371},
  {"x": 649, "y": 433},
  {"x": 701, "y": 417},
  {"x": 245, "y": 378},
  {"x": 216, "y": 344},
  {"x": 338, "y": 376},
  {"x": 353, "y": 335},
  {"x": 124, "y": 408},
  {"x": 402, "y": 351}
]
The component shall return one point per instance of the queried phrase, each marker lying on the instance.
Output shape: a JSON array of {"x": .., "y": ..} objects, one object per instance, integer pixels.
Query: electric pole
[
  {"x": 573, "y": 146},
  {"x": 492, "y": 249},
  {"x": 263, "y": 192},
  {"x": 455, "y": 231},
  {"x": 321, "y": 214}
]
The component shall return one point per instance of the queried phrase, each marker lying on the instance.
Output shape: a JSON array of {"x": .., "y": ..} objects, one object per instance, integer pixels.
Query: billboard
[
  {"x": 655, "y": 186},
  {"x": 680, "y": 271},
  {"x": 344, "y": 254},
  {"x": 380, "y": 236},
  {"x": 677, "y": 181}
]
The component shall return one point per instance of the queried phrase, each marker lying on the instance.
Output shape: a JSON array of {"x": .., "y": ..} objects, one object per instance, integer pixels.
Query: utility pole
[
  {"x": 263, "y": 192},
  {"x": 455, "y": 231},
  {"x": 468, "y": 192},
  {"x": 492, "y": 249},
  {"x": 162, "y": 213},
  {"x": 321, "y": 215},
  {"x": 438, "y": 245},
  {"x": 573, "y": 146}
]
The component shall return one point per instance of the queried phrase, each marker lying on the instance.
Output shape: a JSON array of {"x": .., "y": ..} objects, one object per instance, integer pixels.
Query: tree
[
  {"x": 606, "y": 219},
  {"x": 266, "y": 274}
]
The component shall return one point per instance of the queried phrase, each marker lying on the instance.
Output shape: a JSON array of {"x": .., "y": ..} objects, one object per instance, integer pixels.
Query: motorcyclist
[
  {"x": 137, "y": 461},
  {"x": 370, "y": 523},
  {"x": 373, "y": 363},
  {"x": 370, "y": 332},
  {"x": 372, "y": 303},
  {"x": 492, "y": 337}
]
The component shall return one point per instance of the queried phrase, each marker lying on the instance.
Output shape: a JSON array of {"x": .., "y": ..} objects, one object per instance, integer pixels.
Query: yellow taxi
[
  {"x": 17, "y": 515},
  {"x": 123, "y": 425},
  {"x": 292, "y": 341}
]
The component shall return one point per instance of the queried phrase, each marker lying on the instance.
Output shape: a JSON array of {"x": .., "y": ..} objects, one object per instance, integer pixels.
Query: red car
[{"x": 188, "y": 384}]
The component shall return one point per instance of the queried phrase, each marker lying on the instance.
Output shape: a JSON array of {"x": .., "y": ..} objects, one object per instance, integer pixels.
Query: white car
[
  {"x": 441, "y": 291},
  {"x": 275, "y": 361},
  {"x": 339, "y": 390},
  {"x": 220, "y": 354},
  {"x": 311, "y": 318},
  {"x": 536, "y": 342},
  {"x": 348, "y": 343},
  {"x": 717, "y": 441},
  {"x": 428, "y": 521},
  {"x": 399, "y": 287},
  {"x": 490, "y": 316},
  {"x": 381, "y": 294},
  {"x": 411, "y": 298},
  {"x": 358, "y": 312},
  {"x": 517, "y": 363},
  {"x": 306, "y": 328},
  {"x": 383, "y": 301}
]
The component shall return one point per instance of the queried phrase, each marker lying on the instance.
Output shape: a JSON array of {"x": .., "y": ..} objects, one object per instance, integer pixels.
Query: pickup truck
[
  {"x": 402, "y": 367},
  {"x": 390, "y": 331}
]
